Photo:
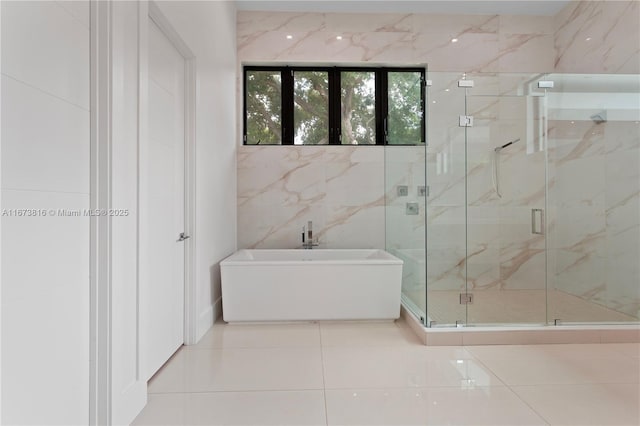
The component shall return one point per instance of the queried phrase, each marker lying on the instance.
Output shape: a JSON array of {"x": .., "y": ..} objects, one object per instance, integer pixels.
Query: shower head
[
  {"x": 500, "y": 148},
  {"x": 600, "y": 117}
]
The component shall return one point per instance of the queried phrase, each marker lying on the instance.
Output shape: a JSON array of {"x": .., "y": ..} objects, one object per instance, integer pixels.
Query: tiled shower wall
[
  {"x": 595, "y": 187},
  {"x": 598, "y": 37},
  {"x": 342, "y": 189}
]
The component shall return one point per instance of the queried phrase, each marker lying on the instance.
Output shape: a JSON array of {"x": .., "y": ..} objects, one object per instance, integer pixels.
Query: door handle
[
  {"x": 535, "y": 229},
  {"x": 183, "y": 236}
]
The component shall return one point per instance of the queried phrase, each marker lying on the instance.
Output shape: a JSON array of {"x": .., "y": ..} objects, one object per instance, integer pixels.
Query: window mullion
[
  {"x": 423, "y": 101},
  {"x": 335, "y": 117},
  {"x": 382, "y": 107},
  {"x": 287, "y": 106}
]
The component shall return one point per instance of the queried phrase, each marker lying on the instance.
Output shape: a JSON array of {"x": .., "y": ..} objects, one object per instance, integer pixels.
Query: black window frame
[{"x": 334, "y": 119}]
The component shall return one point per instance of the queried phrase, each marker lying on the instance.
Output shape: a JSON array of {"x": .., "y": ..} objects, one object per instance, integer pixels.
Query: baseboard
[
  {"x": 217, "y": 309},
  {"x": 205, "y": 321}
]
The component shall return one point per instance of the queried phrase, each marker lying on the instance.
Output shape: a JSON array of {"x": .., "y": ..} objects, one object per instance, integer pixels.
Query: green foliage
[
  {"x": 264, "y": 116},
  {"x": 358, "y": 107},
  {"x": 311, "y": 107},
  {"x": 405, "y": 108}
]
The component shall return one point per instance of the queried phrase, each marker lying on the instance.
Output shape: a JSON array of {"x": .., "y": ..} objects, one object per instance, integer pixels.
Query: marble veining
[
  {"x": 350, "y": 193},
  {"x": 484, "y": 43},
  {"x": 332, "y": 186},
  {"x": 598, "y": 36}
]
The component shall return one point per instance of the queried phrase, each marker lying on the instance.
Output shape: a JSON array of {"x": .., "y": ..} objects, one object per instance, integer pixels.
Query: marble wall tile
[
  {"x": 340, "y": 189},
  {"x": 344, "y": 189},
  {"x": 522, "y": 268},
  {"x": 353, "y": 184},
  {"x": 482, "y": 41},
  {"x": 252, "y": 25},
  {"x": 377, "y": 47},
  {"x": 446, "y": 246},
  {"x": 483, "y": 269},
  {"x": 473, "y": 52},
  {"x": 625, "y": 135},
  {"x": 405, "y": 166},
  {"x": 325, "y": 47},
  {"x": 622, "y": 210},
  {"x": 354, "y": 226},
  {"x": 517, "y": 24},
  {"x": 368, "y": 22},
  {"x": 596, "y": 193},
  {"x": 526, "y": 53},
  {"x": 582, "y": 275},
  {"x": 598, "y": 37},
  {"x": 576, "y": 139},
  {"x": 455, "y": 25}
]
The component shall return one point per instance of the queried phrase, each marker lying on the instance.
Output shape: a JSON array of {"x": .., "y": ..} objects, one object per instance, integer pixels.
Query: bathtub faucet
[{"x": 307, "y": 237}]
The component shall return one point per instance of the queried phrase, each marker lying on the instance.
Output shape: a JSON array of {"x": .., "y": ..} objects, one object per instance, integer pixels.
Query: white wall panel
[
  {"x": 45, "y": 310},
  {"x": 45, "y": 259},
  {"x": 44, "y": 141},
  {"x": 45, "y": 46}
]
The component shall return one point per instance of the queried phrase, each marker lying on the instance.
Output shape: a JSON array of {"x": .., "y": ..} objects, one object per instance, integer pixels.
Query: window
[
  {"x": 311, "y": 107},
  {"x": 358, "y": 107},
  {"x": 405, "y": 106},
  {"x": 333, "y": 105},
  {"x": 263, "y": 102}
]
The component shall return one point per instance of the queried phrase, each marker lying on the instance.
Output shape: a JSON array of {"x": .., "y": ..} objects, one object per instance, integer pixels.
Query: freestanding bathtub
[{"x": 290, "y": 285}]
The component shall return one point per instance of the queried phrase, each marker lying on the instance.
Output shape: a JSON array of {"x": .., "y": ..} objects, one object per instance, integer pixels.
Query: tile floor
[{"x": 379, "y": 374}]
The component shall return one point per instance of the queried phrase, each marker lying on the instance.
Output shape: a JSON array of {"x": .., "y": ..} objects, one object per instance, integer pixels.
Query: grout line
[
  {"x": 233, "y": 391},
  {"x": 45, "y": 191},
  {"x": 324, "y": 385},
  {"x": 231, "y": 348},
  {"x": 529, "y": 405},
  {"x": 73, "y": 15},
  {"x": 478, "y": 360},
  {"x": 53, "y": 95}
]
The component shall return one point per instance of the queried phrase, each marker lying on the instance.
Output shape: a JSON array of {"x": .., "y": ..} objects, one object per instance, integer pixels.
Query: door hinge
[
  {"x": 466, "y": 298},
  {"x": 466, "y": 121}
]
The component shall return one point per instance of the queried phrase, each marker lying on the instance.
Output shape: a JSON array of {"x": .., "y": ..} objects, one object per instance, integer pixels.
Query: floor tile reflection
[{"x": 345, "y": 373}]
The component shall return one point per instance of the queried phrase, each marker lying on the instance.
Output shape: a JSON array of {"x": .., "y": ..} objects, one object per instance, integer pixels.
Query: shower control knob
[{"x": 183, "y": 236}]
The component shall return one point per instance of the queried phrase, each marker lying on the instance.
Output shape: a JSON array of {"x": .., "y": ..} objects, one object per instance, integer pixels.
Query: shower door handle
[{"x": 537, "y": 221}]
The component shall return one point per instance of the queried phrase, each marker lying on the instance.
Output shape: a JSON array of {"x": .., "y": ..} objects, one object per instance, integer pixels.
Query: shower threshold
[{"x": 521, "y": 334}]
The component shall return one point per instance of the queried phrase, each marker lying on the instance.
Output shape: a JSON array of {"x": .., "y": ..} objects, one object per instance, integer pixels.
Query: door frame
[
  {"x": 100, "y": 226},
  {"x": 101, "y": 313}
]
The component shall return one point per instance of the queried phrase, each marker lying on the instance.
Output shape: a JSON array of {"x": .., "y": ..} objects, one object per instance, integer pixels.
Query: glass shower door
[
  {"x": 506, "y": 188},
  {"x": 445, "y": 259}
]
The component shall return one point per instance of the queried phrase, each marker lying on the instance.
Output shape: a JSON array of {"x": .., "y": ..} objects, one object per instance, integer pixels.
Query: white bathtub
[{"x": 289, "y": 285}]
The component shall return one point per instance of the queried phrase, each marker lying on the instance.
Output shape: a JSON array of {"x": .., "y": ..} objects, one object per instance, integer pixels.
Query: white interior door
[{"x": 165, "y": 201}]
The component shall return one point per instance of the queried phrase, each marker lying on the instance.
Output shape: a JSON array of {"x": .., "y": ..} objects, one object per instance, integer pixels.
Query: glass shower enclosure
[{"x": 523, "y": 207}]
